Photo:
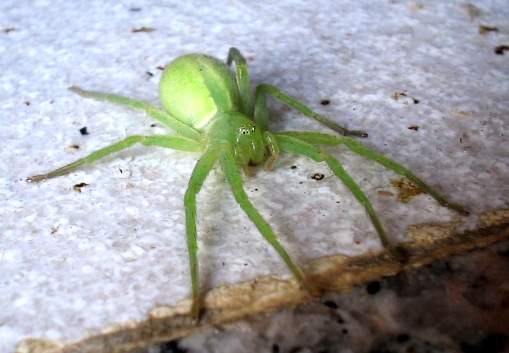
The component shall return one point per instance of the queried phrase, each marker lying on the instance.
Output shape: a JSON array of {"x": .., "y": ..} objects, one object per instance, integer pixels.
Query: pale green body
[
  {"x": 202, "y": 92},
  {"x": 211, "y": 109},
  {"x": 197, "y": 88}
]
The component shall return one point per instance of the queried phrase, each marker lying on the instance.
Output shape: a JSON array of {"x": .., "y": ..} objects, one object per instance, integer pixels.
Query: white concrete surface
[{"x": 71, "y": 263}]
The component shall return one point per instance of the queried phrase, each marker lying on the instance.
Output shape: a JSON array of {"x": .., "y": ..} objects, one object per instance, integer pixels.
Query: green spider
[{"x": 211, "y": 109}]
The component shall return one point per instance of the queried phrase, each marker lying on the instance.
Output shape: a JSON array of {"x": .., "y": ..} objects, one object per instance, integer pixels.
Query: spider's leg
[
  {"x": 398, "y": 168},
  {"x": 232, "y": 173},
  {"x": 317, "y": 138},
  {"x": 200, "y": 172},
  {"x": 173, "y": 142},
  {"x": 157, "y": 114},
  {"x": 242, "y": 77},
  {"x": 261, "y": 114},
  {"x": 272, "y": 149},
  {"x": 297, "y": 146}
]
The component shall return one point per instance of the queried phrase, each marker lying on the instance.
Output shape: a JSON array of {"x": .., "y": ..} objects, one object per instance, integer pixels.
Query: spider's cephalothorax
[
  {"x": 241, "y": 134},
  {"x": 211, "y": 109},
  {"x": 203, "y": 92}
]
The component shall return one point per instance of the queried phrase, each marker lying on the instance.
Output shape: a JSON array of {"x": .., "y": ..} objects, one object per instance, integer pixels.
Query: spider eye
[{"x": 246, "y": 130}]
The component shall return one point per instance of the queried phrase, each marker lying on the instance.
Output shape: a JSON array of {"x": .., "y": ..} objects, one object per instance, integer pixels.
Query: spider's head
[
  {"x": 249, "y": 145},
  {"x": 243, "y": 135}
]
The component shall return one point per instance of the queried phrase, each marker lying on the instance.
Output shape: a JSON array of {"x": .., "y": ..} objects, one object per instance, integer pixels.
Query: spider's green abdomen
[{"x": 195, "y": 88}]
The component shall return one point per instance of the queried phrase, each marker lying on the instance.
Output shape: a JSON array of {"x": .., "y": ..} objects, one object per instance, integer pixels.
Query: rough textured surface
[
  {"x": 72, "y": 263},
  {"x": 455, "y": 305},
  {"x": 231, "y": 303}
]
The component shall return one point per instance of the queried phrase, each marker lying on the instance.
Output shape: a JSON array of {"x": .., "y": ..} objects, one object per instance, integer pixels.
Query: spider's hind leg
[
  {"x": 172, "y": 142},
  {"x": 200, "y": 172},
  {"x": 157, "y": 114},
  {"x": 261, "y": 114}
]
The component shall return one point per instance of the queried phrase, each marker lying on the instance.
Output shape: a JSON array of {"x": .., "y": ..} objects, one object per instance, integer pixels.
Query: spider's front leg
[
  {"x": 294, "y": 145},
  {"x": 242, "y": 77},
  {"x": 304, "y": 143},
  {"x": 233, "y": 175},
  {"x": 317, "y": 138}
]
